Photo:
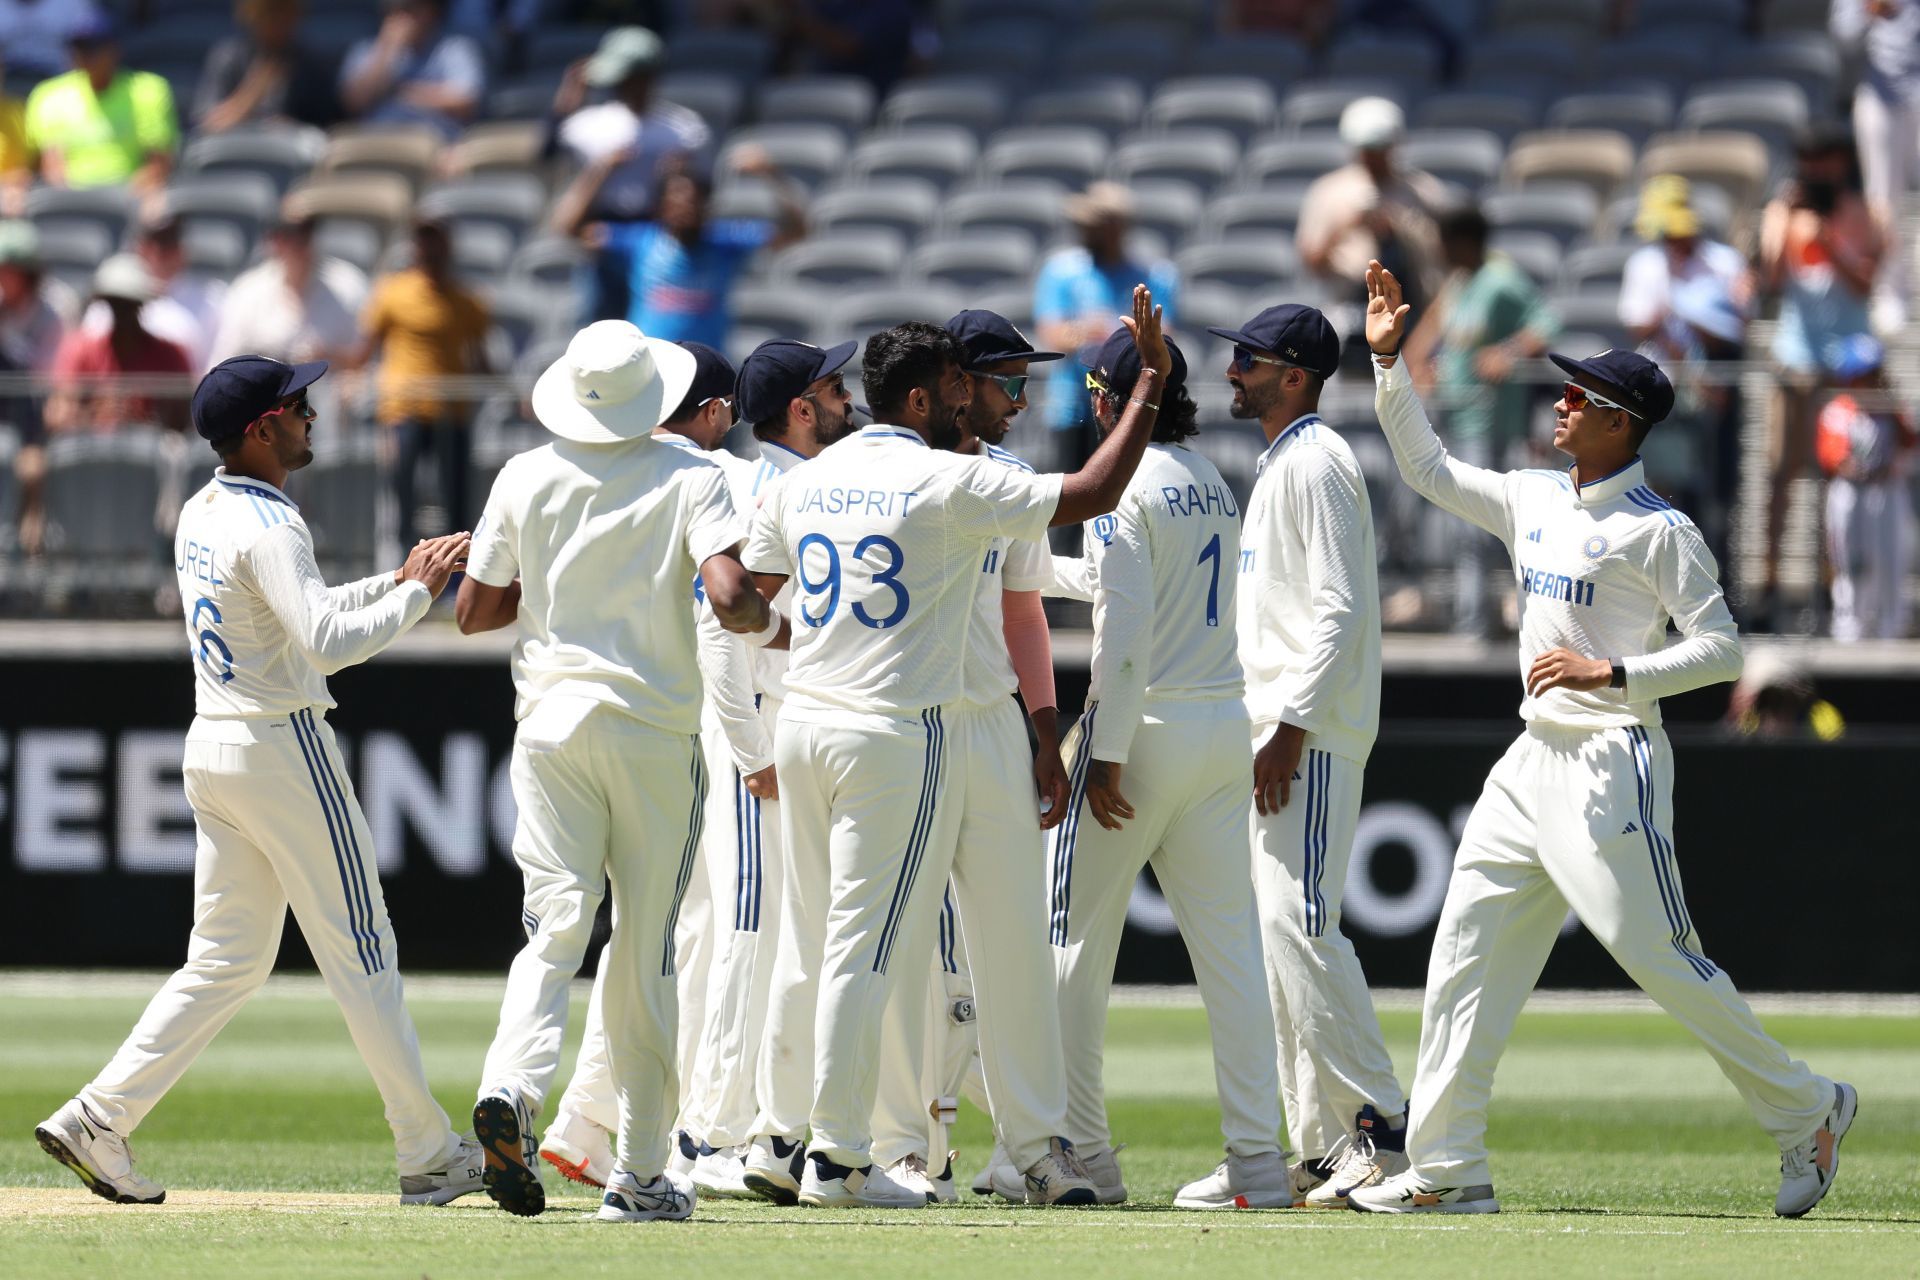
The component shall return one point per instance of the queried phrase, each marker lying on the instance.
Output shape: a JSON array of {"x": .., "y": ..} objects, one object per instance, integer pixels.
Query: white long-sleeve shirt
[
  {"x": 1601, "y": 568},
  {"x": 264, "y": 629},
  {"x": 1161, "y": 573},
  {"x": 770, "y": 665},
  {"x": 1310, "y": 592},
  {"x": 1008, "y": 564}
]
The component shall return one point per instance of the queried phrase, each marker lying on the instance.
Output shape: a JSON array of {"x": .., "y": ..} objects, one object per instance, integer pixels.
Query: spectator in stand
[
  {"x": 680, "y": 268},
  {"x": 1080, "y": 290},
  {"x": 1307, "y": 21},
  {"x": 1864, "y": 444},
  {"x": 424, "y": 327},
  {"x": 1675, "y": 254},
  {"x": 1371, "y": 209},
  {"x": 294, "y": 306},
  {"x": 16, "y": 153},
  {"x": 1487, "y": 319},
  {"x": 34, "y": 33},
  {"x": 1884, "y": 37},
  {"x": 414, "y": 71},
  {"x": 31, "y": 329},
  {"x": 1775, "y": 698},
  {"x": 101, "y": 125},
  {"x": 186, "y": 309},
  {"x": 80, "y": 400},
  {"x": 264, "y": 72},
  {"x": 1821, "y": 250}
]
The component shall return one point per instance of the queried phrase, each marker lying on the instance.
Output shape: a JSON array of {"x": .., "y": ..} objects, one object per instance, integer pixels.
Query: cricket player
[
  {"x": 1160, "y": 764},
  {"x": 929, "y": 1043},
  {"x": 276, "y": 818},
  {"x": 1309, "y": 606},
  {"x": 1579, "y": 812},
  {"x": 883, "y": 537},
  {"x": 590, "y": 544}
]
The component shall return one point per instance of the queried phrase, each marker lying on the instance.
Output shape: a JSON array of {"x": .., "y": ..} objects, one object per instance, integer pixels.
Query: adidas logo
[
  {"x": 592, "y": 394},
  {"x": 1630, "y": 828},
  {"x": 1534, "y": 536}
]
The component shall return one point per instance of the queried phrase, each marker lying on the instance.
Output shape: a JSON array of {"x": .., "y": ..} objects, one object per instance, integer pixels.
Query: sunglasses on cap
[
  {"x": 1244, "y": 358},
  {"x": 1578, "y": 397},
  {"x": 299, "y": 404},
  {"x": 1014, "y": 384}
]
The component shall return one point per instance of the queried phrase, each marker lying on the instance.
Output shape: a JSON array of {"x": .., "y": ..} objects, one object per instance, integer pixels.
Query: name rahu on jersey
[
  {"x": 1556, "y": 586},
  {"x": 836, "y": 501},
  {"x": 1199, "y": 500}
]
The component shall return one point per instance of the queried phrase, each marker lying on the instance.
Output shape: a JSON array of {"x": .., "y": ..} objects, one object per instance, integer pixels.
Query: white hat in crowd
[
  {"x": 124, "y": 275},
  {"x": 1371, "y": 123},
  {"x": 614, "y": 383}
]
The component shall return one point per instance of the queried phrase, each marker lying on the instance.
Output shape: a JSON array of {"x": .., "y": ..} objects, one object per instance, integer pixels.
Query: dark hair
[
  {"x": 690, "y": 404},
  {"x": 1463, "y": 222},
  {"x": 1637, "y": 429},
  {"x": 905, "y": 358},
  {"x": 673, "y": 172},
  {"x": 1179, "y": 417},
  {"x": 227, "y": 446},
  {"x": 773, "y": 428}
]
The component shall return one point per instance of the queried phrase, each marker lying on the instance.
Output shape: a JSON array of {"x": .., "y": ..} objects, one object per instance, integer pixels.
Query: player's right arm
[
  {"x": 1472, "y": 493},
  {"x": 714, "y": 538},
  {"x": 1097, "y": 487},
  {"x": 282, "y": 568},
  {"x": 1072, "y": 579},
  {"x": 489, "y": 596}
]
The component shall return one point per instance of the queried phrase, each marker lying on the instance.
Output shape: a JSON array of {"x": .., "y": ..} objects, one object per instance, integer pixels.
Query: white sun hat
[{"x": 614, "y": 383}]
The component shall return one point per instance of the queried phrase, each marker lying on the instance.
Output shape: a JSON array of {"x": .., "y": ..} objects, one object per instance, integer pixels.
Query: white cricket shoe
[
  {"x": 465, "y": 1173},
  {"x": 98, "y": 1156},
  {"x": 504, "y": 1126},
  {"x": 722, "y": 1174},
  {"x": 773, "y": 1169},
  {"x": 1242, "y": 1182},
  {"x": 983, "y": 1181},
  {"x": 1808, "y": 1170},
  {"x": 1409, "y": 1193},
  {"x": 1103, "y": 1166},
  {"x": 911, "y": 1171},
  {"x": 827, "y": 1185},
  {"x": 668, "y": 1197},
  {"x": 579, "y": 1148},
  {"x": 1059, "y": 1177},
  {"x": 1358, "y": 1161},
  {"x": 944, "y": 1191}
]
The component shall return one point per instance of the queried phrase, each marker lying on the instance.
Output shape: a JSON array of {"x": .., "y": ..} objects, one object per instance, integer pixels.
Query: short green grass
[{"x": 1618, "y": 1149}]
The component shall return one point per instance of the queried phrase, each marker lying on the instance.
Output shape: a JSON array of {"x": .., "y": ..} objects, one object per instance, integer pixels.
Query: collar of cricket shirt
[
  {"x": 1599, "y": 492},
  {"x": 252, "y": 488},
  {"x": 780, "y": 456},
  {"x": 1274, "y": 448},
  {"x": 677, "y": 440},
  {"x": 881, "y": 431}
]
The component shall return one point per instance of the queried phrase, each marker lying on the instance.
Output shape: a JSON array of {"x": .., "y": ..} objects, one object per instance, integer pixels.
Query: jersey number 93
[{"x": 820, "y": 579}]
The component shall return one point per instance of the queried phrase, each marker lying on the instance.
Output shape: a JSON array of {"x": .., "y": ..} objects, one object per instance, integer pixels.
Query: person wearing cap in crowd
[
  {"x": 101, "y": 125},
  {"x": 1675, "y": 253},
  {"x": 929, "y": 1045},
  {"x": 264, "y": 72},
  {"x": 1371, "y": 207},
  {"x": 185, "y": 308},
  {"x": 425, "y": 327},
  {"x": 1309, "y": 630},
  {"x": 86, "y": 394},
  {"x": 277, "y": 822},
  {"x": 34, "y": 32},
  {"x": 34, "y": 313},
  {"x": 295, "y": 305},
  {"x": 1579, "y": 812},
  {"x": 414, "y": 71},
  {"x": 589, "y": 545},
  {"x": 1864, "y": 447},
  {"x": 1079, "y": 290},
  {"x": 1159, "y": 767}
]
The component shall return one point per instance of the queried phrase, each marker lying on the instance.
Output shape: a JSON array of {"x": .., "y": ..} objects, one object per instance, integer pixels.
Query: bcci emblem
[{"x": 1595, "y": 547}]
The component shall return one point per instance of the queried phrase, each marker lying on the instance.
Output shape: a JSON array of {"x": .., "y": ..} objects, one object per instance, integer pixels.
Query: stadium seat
[
  {"x": 1522, "y": 54},
  {"x": 1411, "y": 59},
  {"x": 358, "y": 243},
  {"x": 1658, "y": 57},
  {"x": 773, "y": 310},
  {"x": 968, "y": 102},
  {"x": 1713, "y": 206},
  {"x": 844, "y": 102},
  {"x": 810, "y": 154},
  {"x": 863, "y": 312},
  {"x": 70, "y": 251},
  {"x": 1594, "y": 158},
  {"x": 554, "y": 48},
  {"x": 506, "y": 146},
  {"x": 550, "y": 263},
  {"x": 1809, "y": 59},
  {"x": 1778, "y": 16},
  {"x": 1503, "y": 114},
  {"x": 1169, "y": 207},
  {"x": 1509, "y": 15},
  {"x": 406, "y": 152},
  {"x": 1261, "y": 265},
  {"x": 1271, "y": 210},
  {"x": 247, "y": 202},
  {"x": 527, "y": 97},
  {"x": 1737, "y": 163},
  {"x": 868, "y": 258},
  {"x": 1302, "y": 157},
  {"x": 902, "y": 206},
  {"x": 1207, "y": 304},
  {"x": 383, "y": 202},
  {"x": 1143, "y": 51},
  {"x": 1202, "y": 158},
  {"x": 1564, "y": 210},
  {"x": 1070, "y": 156},
  {"x": 281, "y": 154},
  {"x": 1033, "y": 207},
  {"x": 101, "y": 493},
  {"x": 1729, "y": 16},
  {"x": 734, "y": 51},
  {"x": 1467, "y": 158},
  {"x": 511, "y": 201},
  {"x": 1014, "y": 52},
  {"x": 1635, "y": 113},
  {"x": 483, "y": 252},
  {"x": 1775, "y": 111},
  {"x": 1597, "y": 267},
  {"x": 215, "y": 250},
  {"x": 522, "y": 316},
  {"x": 938, "y": 154},
  {"x": 108, "y": 208},
  {"x": 742, "y": 196},
  {"x": 1592, "y": 311},
  {"x": 1538, "y": 253},
  {"x": 1110, "y": 105},
  {"x": 1275, "y": 59},
  {"x": 1317, "y": 104},
  {"x": 971, "y": 263},
  {"x": 1015, "y": 303},
  {"x": 1241, "y": 105},
  {"x": 714, "y": 96},
  {"x": 339, "y": 497},
  {"x": 9, "y": 495}
]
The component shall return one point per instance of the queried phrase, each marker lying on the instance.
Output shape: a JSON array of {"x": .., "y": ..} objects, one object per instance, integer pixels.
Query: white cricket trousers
[
  {"x": 1580, "y": 818},
  {"x": 278, "y": 825},
  {"x": 1333, "y": 1059},
  {"x": 1188, "y": 781},
  {"x": 871, "y": 816},
  {"x": 929, "y": 1053},
  {"x": 1870, "y": 546},
  {"x": 604, "y": 799}
]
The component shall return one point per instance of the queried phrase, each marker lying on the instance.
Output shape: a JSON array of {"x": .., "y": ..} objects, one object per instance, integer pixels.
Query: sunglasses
[
  {"x": 1578, "y": 397},
  {"x": 725, "y": 400},
  {"x": 298, "y": 405},
  {"x": 1014, "y": 384},
  {"x": 1244, "y": 358}
]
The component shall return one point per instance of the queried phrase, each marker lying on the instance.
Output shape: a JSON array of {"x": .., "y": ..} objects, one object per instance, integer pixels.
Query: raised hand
[
  {"x": 1144, "y": 324},
  {"x": 1386, "y": 313}
]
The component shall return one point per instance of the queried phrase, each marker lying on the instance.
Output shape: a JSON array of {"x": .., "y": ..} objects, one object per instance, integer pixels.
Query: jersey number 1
[{"x": 1212, "y": 552}]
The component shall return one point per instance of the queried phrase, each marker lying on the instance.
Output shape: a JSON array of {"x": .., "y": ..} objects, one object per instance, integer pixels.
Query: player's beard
[
  {"x": 1251, "y": 405},
  {"x": 829, "y": 430},
  {"x": 986, "y": 425},
  {"x": 943, "y": 422}
]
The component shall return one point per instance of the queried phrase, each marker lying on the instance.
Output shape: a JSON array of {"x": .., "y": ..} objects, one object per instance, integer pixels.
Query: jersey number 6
[{"x": 828, "y": 583}]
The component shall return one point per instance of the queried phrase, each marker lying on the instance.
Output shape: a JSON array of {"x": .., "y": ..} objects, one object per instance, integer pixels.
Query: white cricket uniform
[
  {"x": 883, "y": 539},
  {"x": 276, "y": 818},
  {"x": 1579, "y": 812},
  {"x": 930, "y": 1038},
  {"x": 606, "y": 767},
  {"x": 1310, "y": 641},
  {"x": 1165, "y": 703}
]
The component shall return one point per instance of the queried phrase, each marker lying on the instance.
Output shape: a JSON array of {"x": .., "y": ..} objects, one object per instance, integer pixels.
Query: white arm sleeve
[
  {"x": 1123, "y": 632},
  {"x": 1688, "y": 584},
  {"x": 360, "y": 594},
  {"x": 1472, "y": 493},
  {"x": 726, "y": 666},
  {"x": 1327, "y": 505},
  {"x": 1072, "y": 578},
  {"x": 284, "y": 572}
]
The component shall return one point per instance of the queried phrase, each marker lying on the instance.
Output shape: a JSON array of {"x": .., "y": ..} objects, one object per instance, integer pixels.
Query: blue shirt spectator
[
  {"x": 414, "y": 72},
  {"x": 679, "y": 289}
]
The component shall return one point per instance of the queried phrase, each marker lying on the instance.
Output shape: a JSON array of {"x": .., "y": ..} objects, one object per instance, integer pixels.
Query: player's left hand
[
  {"x": 763, "y": 785},
  {"x": 1274, "y": 765},
  {"x": 1050, "y": 777},
  {"x": 1103, "y": 794},
  {"x": 1565, "y": 669}
]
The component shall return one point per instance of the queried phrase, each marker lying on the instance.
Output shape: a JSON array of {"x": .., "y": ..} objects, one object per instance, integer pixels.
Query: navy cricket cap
[
  {"x": 240, "y": 389},
  {"x": 1117, "y": 366},
  {"x": 990, "y": 337},
  {"x": 713, "y": 375},
  {"x": 1630, "y": 380},
  {"x": 1299, "y": 335},
  {"x": 778, "y": 370}
]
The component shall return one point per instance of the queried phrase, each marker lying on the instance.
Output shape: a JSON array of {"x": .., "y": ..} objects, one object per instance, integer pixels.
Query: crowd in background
[{"x": 1824, "y": 256}]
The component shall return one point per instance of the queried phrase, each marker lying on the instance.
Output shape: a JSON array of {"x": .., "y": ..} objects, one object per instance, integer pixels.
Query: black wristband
[{"x": 1619, "y": 680}]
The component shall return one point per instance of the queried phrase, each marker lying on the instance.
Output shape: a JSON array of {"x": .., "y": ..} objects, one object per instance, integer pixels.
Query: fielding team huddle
[{"x": 770, "y": 707}]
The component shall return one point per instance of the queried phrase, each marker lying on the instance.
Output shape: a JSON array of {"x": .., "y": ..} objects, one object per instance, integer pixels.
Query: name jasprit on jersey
[{"x": 837, "y": 501}]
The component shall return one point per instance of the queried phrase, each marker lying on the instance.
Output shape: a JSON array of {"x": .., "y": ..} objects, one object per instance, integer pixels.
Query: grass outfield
[{"x": 1618, "y": 1147}]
